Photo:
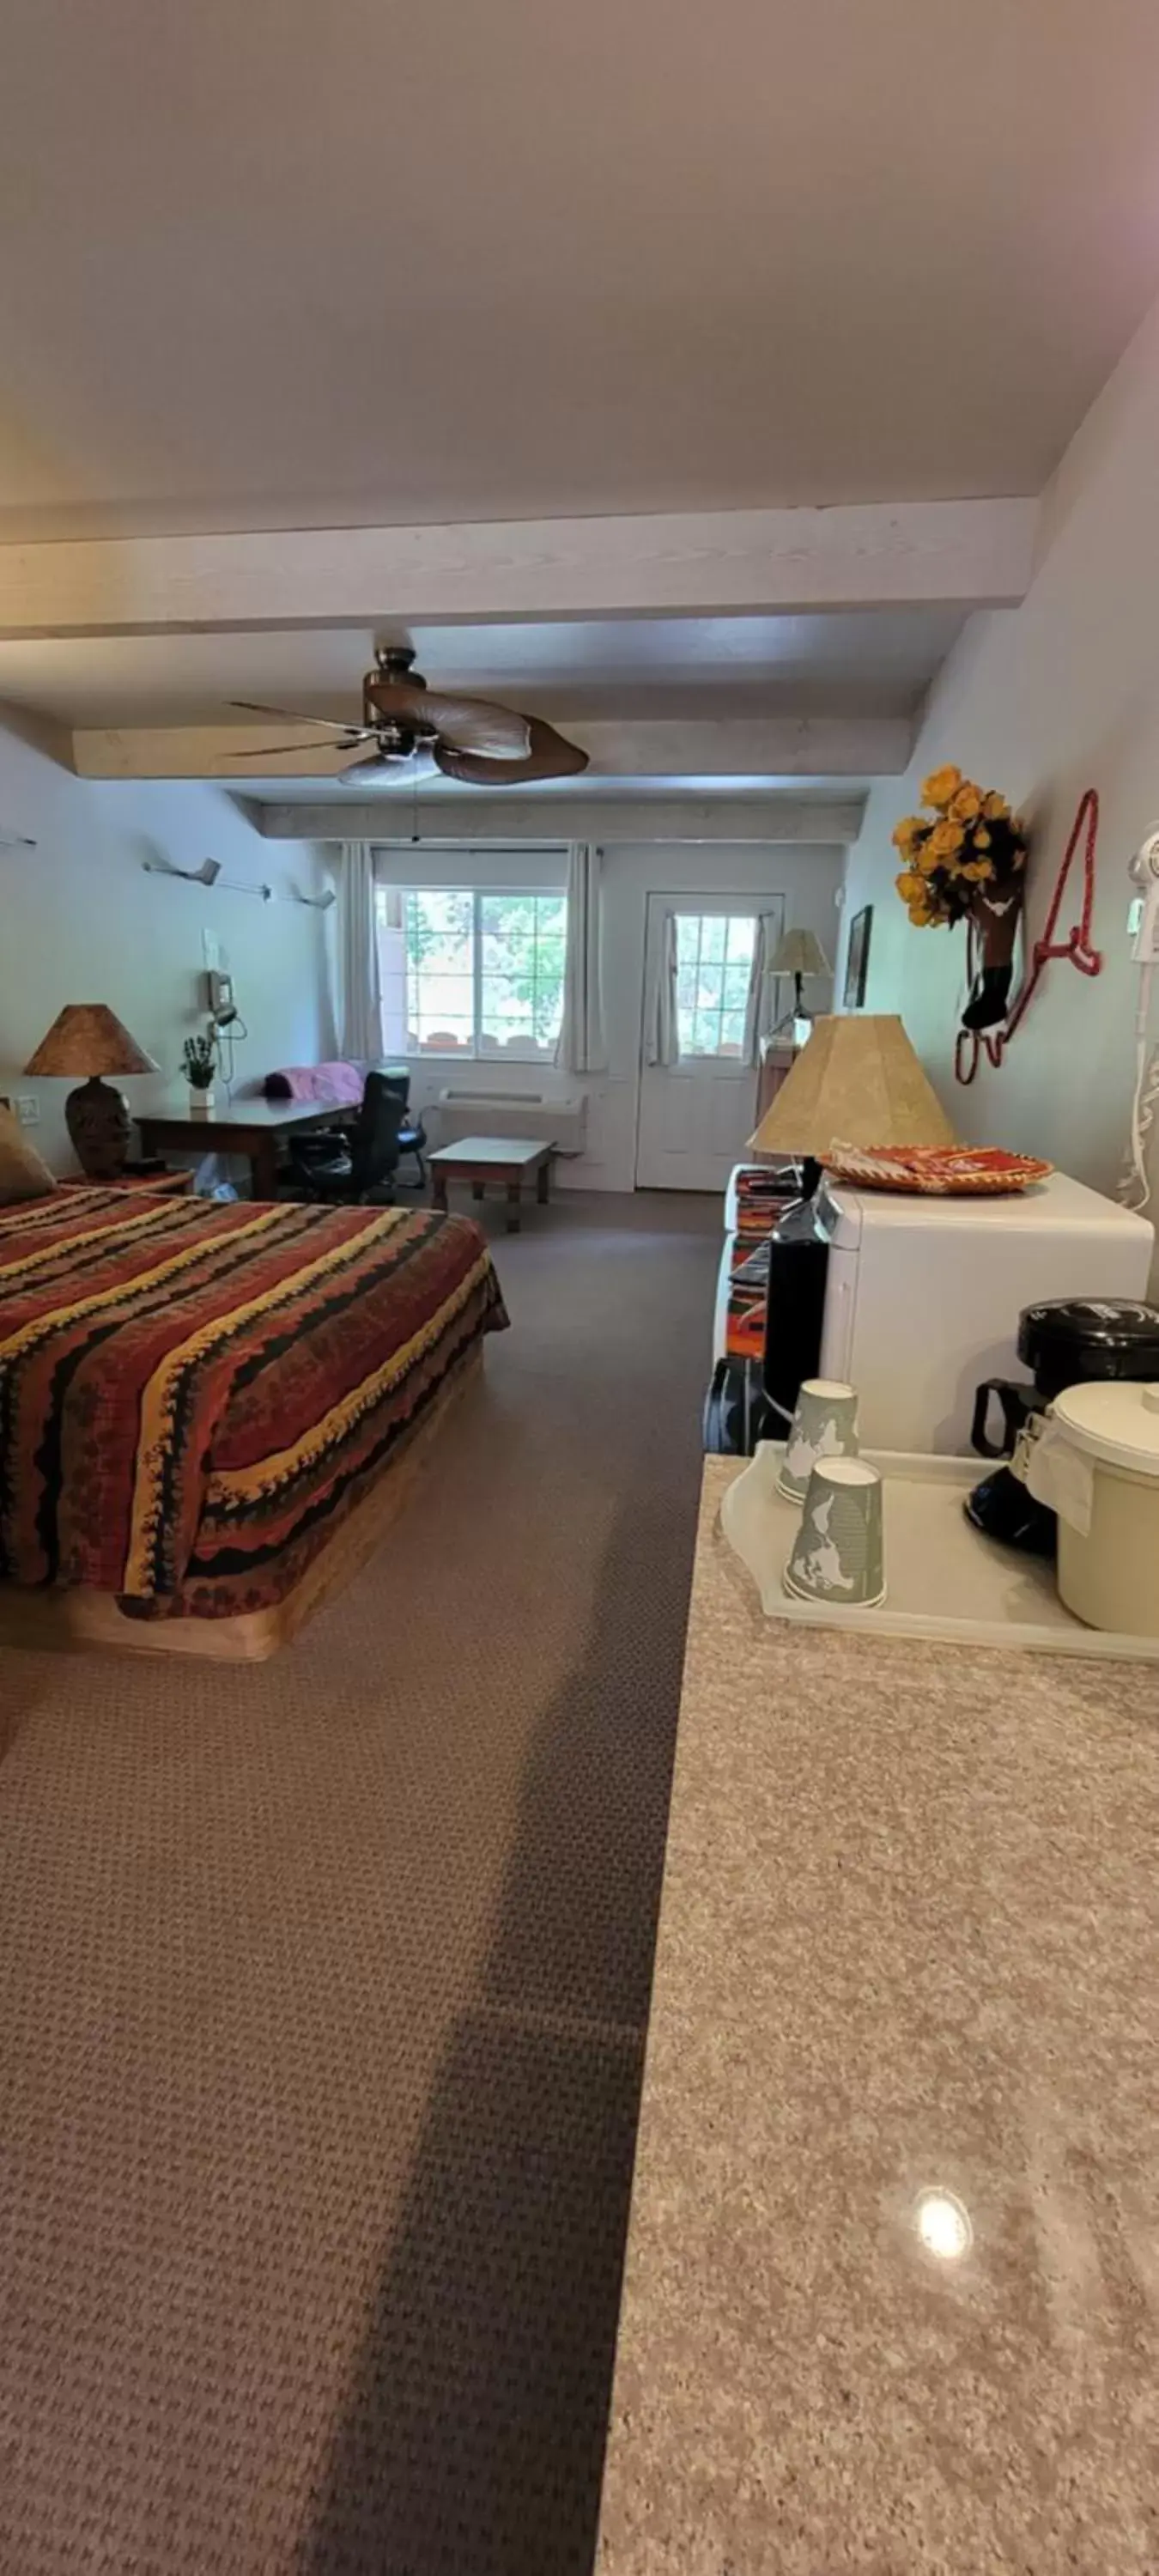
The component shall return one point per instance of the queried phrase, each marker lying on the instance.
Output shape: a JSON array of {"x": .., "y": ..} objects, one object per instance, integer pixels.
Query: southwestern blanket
[{"x": 192, "y": 1395}]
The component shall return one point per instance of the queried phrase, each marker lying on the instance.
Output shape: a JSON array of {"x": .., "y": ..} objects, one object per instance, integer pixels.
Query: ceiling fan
[{"x": 467, "y": 738}]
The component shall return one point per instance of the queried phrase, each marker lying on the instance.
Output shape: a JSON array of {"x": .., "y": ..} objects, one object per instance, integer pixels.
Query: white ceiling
[
  {"x": 276, "y": 266},
  {"x": 872, "y": 662}
]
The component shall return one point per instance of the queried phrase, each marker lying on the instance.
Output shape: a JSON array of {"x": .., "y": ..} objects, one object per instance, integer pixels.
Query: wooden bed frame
[{"x": 84, "y": 1621}]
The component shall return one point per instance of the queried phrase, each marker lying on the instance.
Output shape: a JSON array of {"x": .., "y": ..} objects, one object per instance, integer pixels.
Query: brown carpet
[{"x": 323, "y": 1989}]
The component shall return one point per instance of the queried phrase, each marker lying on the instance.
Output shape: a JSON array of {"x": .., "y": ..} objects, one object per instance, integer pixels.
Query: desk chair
[
  {"x": 412, "y": 1134},
  {"x": 358, "y": 1172}
]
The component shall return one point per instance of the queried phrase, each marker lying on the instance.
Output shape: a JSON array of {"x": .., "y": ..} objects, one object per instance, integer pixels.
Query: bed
[{"x": 209, "y": 1413}]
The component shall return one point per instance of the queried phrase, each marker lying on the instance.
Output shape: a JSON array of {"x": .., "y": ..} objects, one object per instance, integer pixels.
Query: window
[
  {"x": 472, "y": 973},
  {"x": 714, "y": 956}
]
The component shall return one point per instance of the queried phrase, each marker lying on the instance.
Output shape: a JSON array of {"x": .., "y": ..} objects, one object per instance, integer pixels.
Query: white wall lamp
[{"x": 209, "y": 873}]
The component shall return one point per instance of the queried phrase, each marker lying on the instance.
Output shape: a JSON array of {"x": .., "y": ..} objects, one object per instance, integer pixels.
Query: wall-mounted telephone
[{"x": 219, "y": 997}]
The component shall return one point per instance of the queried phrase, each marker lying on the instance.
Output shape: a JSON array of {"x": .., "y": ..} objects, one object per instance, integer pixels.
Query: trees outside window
[
  {"x": 714, "y": 957},
  {"x": 483, "y": 972}
]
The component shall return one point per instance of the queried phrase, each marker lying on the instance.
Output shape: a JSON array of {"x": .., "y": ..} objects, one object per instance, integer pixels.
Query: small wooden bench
[{"x": 509, "y": 1159}]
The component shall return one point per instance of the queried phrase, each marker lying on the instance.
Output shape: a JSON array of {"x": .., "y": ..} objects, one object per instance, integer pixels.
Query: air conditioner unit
[{"x": 471, "y": 1109}]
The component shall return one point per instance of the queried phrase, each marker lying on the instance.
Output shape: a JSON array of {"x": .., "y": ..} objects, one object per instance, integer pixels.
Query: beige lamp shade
[
  {"x": 799, "y": 952},
  {"x": 88, "y": 1038},
  {"x": 857, "y": 1081}
]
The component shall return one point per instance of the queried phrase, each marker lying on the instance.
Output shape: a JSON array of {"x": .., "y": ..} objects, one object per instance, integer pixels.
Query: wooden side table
[{"x": 479, "y": 1159}]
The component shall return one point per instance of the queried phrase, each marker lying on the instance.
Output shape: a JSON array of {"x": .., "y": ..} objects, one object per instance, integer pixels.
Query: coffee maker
[{"x": 1067, "y": 1341}]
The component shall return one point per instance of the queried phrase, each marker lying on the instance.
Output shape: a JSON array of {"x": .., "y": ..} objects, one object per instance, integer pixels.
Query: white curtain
[
  {"x": 359, "y": 993},
  {"x": 761, "y": 1000},
  {"x": 662, "y": 1028},
  {"x": 581, "y": 1038}
]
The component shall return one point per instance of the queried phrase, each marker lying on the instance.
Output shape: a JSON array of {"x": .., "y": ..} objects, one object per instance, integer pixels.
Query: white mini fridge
[{"x": 922, "y": 1295}]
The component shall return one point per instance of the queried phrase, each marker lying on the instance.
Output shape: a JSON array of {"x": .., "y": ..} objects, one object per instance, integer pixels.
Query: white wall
[
  {"x": 807, "y": 875},
  {"x": 81, "y": 921},
  {"x": 1041, "y": 702}
]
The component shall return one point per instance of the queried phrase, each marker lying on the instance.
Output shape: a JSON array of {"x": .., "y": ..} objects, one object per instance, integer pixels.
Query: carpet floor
[{"x": 323, "y": 1989}]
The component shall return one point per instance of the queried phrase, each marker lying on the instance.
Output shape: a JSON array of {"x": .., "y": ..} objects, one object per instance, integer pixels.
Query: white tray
[{"x": 943, "y": 1578}]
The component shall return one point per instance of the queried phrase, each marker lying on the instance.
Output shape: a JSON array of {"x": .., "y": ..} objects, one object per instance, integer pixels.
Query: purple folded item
[{"x": 340, "y": 1085}]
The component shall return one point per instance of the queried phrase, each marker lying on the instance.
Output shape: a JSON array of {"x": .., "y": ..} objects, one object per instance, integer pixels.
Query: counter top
[{"x": 909, "y": 1946}]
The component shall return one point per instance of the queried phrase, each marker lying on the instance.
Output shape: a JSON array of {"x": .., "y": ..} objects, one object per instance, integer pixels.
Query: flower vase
[
  {"x": 994, "y": 916},
  {"x": 200, "y": 1100}
]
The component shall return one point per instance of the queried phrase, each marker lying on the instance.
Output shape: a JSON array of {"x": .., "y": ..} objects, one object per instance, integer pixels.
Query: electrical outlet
[{"x": 28, "y": 1109}]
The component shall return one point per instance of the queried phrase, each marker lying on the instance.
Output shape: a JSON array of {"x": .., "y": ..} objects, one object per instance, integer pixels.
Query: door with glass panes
[{"x": 696, "y": 1115}]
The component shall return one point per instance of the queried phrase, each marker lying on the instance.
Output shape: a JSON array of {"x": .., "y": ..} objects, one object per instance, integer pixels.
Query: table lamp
[
  {"x": 799, "y": 953},
  {"x": 858, "y": 1081},
  {"x": 87, "y": 1038}
]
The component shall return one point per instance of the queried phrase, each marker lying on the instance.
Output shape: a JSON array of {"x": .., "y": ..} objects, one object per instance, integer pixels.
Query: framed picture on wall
[{"x": 857, "y": 958}]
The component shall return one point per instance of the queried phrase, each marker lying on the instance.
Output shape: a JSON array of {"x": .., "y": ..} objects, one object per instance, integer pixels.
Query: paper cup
[
  {"x": 824, "y": 1426},
  {"x": 838, "y": 1554}
]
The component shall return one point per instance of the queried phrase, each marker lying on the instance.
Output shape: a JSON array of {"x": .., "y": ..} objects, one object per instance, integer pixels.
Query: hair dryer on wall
[{"x": 1144, "y": 875}]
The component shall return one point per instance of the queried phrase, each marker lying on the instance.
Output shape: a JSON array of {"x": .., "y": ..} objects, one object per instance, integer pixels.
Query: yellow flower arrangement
[
  {"x": 945, "y": 843},
  {"x": 966, "y": 839},
  {"x": 941, "y": 785}
]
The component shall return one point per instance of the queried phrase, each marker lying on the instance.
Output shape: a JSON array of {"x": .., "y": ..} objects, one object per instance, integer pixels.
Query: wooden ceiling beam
[
  {"x": 709, "y": 563},
  {"x": 506, "y": 821},
  {"x": 749, "y": 748}
]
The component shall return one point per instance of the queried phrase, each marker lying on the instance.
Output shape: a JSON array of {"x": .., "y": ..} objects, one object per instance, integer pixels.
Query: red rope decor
[{"x": 1076, "y": 945}]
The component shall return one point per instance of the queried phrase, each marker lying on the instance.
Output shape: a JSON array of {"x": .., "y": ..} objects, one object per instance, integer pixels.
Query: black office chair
[
  {"x": 412, "y": 1134},
  {"x": 362, "y": 1171}
]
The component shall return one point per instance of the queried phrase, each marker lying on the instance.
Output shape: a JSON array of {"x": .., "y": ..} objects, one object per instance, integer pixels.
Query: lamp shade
[
  {"x": 857, "y": 1080},
  {"x": 88, "y": 1038},
  {"x": 799, "y": 952}
]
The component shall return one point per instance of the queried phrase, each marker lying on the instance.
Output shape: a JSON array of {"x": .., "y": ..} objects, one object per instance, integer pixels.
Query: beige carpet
[{"x": 323, "y": 1990}]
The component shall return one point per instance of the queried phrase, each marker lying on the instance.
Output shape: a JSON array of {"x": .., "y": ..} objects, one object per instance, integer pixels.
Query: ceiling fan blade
[
  {"x": 549, "y": 756},
  {"x": 469, "y": 724},
  {"x": 291, "y": 751},
  {"x": 290, "y": 715}
]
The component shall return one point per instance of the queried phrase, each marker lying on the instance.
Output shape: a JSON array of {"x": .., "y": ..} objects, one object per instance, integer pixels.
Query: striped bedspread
[{"x": 192, "y": 1395}]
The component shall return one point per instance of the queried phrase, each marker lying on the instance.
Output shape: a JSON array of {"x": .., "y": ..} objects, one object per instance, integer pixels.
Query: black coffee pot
[{"x": 1067, "y": 1341}]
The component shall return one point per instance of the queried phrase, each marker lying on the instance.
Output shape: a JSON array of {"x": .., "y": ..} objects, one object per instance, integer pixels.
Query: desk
[
  {"x": 907, "y": 1946},
  {"x": 251, "y": 1128}
]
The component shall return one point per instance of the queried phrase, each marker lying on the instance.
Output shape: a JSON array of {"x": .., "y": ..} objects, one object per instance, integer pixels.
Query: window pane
[
  {"x": 444, "y": 1037},
  {"x": 732, "y": 1031},
  {"x": 502, "y": 992},
  {"x": 713, "y": 934},
  {"x": 438, "y": 930},
  {"x": 710, "y": 986},
  {"x": 736, "y": 985},
  {"x": 742, "y": 931},
  {"x": 523, "y": 947}
]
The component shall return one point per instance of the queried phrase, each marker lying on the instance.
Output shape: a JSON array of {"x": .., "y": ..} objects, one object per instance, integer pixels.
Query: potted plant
[
  {"x": 200, "y": 1057},
  {"x": 964, "y": 860}
]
